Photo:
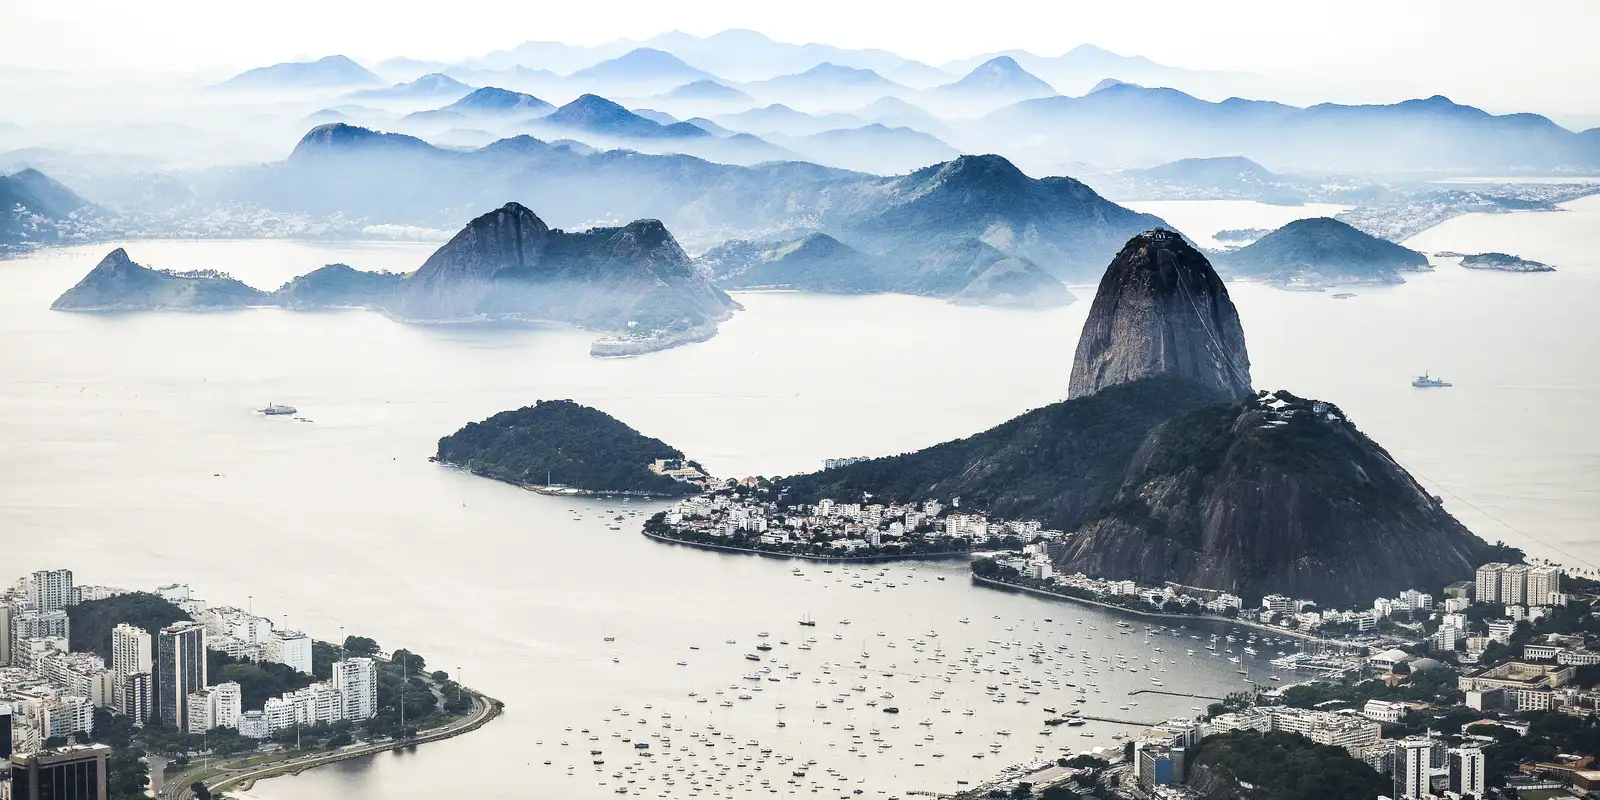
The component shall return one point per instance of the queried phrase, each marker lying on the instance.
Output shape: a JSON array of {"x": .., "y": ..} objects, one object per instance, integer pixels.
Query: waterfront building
[
  {"x": 1277, "y": 604},
  {"x": 226, "y": 705},
  {"x": 356, "y": 679},
  {"x": 52, "y": 590},
  {"x": 180, "y": 671},
  {"x": 67, "y": 773},
  {"x": 1413, "y": 772},
  {"x": 253, "y": 725},
  {"x": 1158, "y": 765},
  {"x": 290, "y": 647}
]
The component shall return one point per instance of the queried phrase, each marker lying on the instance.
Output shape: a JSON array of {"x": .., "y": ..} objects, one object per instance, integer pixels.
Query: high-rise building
[
  {"x": 1412, "y": 770},
  {"x": 180, "y": 671},
  {"x": 357, "y": 681},
  {"x": 52, "y": 590},
  {"x": 291, "y": 648},
  {"x": 5, "y": 634},
  {"x": 1488, "y": 588},
  {"x": 1514, "y": 585},
  {"x": 130, "y": 653},
  {"x": 199, "y": 717},
  {"x": 1466, "y": 770},
  {"x": 227, "y": 704},
  {"x": 5, "y": 733},
  {"x": 135, "y": 698},
  {"x": 67, "y": 773},
  {"x": 1543, "y": 584}
]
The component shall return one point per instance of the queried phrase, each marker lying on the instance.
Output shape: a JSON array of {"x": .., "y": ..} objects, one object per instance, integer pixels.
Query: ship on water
[
  {"x": 275, "y": 410},
  {"x": 1426, "y": 381}
]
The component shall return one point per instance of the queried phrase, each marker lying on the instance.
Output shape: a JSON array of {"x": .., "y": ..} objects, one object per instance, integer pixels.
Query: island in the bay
[
  {"x": 1321, "y": 251},
  {"x": 632, "y": 282},
  {"x": 213, "y": 697},
  {"x": 559, "y": 446},
  {"x": 1503, "y": 262}
]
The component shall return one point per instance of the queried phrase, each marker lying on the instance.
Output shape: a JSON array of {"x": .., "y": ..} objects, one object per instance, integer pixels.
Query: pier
[{"x": 1175, "y": 694}]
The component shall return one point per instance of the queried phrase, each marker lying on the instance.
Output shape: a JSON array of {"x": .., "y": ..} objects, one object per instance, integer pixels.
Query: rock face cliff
[
  {"x": 509, "y": 264},
  {"x": 1278, "y": 494},
  {"x": 1161, "y": 310}
]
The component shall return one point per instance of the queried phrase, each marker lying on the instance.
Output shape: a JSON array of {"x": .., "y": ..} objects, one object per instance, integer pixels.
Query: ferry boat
[
  {"x": 275, "y": 410},
  {"x": 1426, "y": 381}
]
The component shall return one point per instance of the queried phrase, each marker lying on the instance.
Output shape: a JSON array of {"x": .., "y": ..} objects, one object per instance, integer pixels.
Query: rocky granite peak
[{"x": 1161, "y": 310}]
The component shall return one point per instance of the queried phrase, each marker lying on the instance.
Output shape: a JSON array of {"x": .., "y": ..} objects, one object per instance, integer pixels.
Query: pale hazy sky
[{"x": 1534, "y": 53}]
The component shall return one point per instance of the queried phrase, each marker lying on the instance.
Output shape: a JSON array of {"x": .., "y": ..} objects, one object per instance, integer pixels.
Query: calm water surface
[{"x": 133, "y": 456}]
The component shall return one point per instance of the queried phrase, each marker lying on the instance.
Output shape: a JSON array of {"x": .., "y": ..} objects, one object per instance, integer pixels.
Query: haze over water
[{"x": 134, "y": 458}]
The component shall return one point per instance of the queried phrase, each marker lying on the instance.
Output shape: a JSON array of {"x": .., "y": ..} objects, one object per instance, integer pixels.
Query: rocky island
[
  {"x": 1322, "y": 251},
  {"x": 561, "y": 447},
  {"x": 1164, "y": 464},
  {"x": 633, "y": 282},
  {"x": 1502, "y": 262},
  {"x": 119, "y": 284}
]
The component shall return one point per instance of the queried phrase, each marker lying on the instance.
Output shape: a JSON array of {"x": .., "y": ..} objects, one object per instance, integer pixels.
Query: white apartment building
[
  {"x": 1467, "y": 770},
  {"x": 66, "y": 715},
  {"x": 52, "y": 590},
  {"x": 1277, "y": 604},
  {"x": 1544, "y": 586},
  {"x": 226, "y": 705},
  {"x": 253, "y": 725},
  {"x": 356, "y": 679},
  {"x": 1488, "y": 582},
  {"x": 80, "y": 674},
  {"x": 173, "y": 592},
  {"x": 1514, "y": 585},
  {"x": 130, "y": 654},
  {"x": 1413, "y": 772},
  {"x": 1500, "y": 630},
  {"x": 290, "y": 647}
]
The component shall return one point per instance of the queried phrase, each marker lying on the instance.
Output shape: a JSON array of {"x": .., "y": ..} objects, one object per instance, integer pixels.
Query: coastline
[
  {"x": 553, "y": 491},
  {"x": 809, "y": 557},
  {"x": 1012, "y": 587},
  {"x": 485, "y": 709}
]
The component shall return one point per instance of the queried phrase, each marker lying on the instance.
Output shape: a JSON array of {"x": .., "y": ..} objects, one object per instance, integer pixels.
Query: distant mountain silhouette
[
  {"x": 433, "y": 86},
  {"x": 642, "y": 66},
  {"x": 597, "y": 115},
  {"x": 827, "y": 77},
  {"x": 328, "y": 72},
  {"x": 872, "y": 148},
  {"x": 779, "y": 118},
  {"x": 999, "y": 79},
  {"x": 709, "y": 91},
  {"x": 1126, "y": 123},
  {"x": 498, "y": 102}
]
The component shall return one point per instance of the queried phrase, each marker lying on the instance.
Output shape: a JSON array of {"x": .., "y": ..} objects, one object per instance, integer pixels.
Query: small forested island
[
  {"x": 1321, "y": 251},
  {"x": 563, "y": 447},
  {"x": 1503, "y": 262}
]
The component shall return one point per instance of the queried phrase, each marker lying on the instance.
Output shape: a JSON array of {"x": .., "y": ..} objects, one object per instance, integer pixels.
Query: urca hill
[{"x": 1167, "y": 466}]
